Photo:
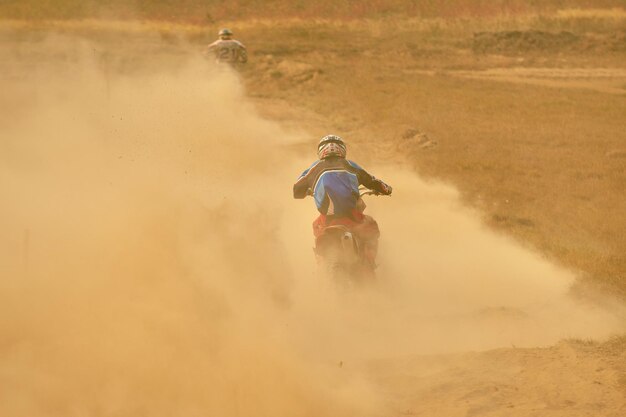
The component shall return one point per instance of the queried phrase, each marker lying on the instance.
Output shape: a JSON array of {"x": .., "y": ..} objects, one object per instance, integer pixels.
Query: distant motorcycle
[{"x": 340, "y": 252}]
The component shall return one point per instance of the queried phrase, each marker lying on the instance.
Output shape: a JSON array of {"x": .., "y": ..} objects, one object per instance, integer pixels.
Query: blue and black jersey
[{"x": 335, "y": 184}]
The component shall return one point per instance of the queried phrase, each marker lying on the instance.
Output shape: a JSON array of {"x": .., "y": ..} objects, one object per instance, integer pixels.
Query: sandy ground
[
  {"x": 603, "y": 80},
  {"x": 156, "y": 263},
  {"x": 569, "y": 379}
]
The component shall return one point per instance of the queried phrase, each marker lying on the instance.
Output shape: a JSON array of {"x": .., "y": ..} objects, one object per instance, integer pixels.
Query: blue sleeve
[
  {"x": 368, "y": 180},
  {"x": 306, "y": 171},
  {"x": 357, "y": 166},
  {"x": 301, "y": 186}
]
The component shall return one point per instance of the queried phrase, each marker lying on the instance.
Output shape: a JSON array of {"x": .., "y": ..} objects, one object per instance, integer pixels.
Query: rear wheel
[{"x": 364, "y": 272}]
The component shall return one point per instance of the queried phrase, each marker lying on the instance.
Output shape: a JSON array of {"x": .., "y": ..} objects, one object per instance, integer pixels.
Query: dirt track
[
  {"x": 94, "y": 167},
  {"x": 569, "y": 379}
]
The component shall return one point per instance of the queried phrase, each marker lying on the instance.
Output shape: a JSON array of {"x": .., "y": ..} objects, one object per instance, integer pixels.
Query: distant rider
[
  {"x": 334, "y": 183},
  {"x": 227, "y": 50}
]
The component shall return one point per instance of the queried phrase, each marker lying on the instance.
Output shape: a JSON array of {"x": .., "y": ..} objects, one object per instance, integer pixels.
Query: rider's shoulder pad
[
  {"x": 354, "y": 164},
  {"x": 306, "y": 171}
]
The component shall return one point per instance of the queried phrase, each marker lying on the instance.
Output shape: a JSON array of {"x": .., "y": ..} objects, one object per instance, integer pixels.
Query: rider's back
[
  {"x": 335, "y": 185},
  {"x": 228, "y": 50}
]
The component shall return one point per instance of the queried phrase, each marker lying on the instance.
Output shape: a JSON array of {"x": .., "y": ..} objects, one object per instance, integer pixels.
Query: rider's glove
[{"x": 387, "y": 188}]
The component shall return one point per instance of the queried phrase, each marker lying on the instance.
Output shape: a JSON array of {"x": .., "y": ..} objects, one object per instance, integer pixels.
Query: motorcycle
[{"x": 343, "y": 255}]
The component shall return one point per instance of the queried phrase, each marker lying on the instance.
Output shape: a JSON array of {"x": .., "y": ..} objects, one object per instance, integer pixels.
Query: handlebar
[
  {"x": 366, "y": 191},
  {"x": 362, "y": 192}
]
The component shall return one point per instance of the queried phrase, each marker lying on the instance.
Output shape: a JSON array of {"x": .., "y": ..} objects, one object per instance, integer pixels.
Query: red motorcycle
[{"x": 342, "y": 252}]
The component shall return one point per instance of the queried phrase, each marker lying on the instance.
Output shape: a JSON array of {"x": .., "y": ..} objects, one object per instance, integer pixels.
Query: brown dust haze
[{"x": 153, "y": 261}]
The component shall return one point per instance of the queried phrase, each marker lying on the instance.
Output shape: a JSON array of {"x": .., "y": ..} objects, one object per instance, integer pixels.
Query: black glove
[{"x": 386, "y": 188}]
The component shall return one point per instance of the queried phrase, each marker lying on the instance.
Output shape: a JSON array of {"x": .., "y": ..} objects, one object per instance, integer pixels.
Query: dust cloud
[{"x": 154, "y": 263}]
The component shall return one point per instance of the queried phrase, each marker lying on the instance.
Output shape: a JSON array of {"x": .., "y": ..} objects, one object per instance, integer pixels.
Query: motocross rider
[
  {"x": 227, "y": 50},
  {"x": 334, "y": 181}
]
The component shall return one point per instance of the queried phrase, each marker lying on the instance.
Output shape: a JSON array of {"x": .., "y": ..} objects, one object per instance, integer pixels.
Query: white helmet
[{"x": 331, "y": 145}]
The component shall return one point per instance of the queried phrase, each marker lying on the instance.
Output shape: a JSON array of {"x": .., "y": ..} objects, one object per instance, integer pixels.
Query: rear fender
[{"x": 338, "y": 239}]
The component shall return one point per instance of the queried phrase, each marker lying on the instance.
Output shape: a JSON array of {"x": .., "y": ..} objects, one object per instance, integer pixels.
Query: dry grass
[
  {"x": 440, "y": 30},
  {"x": 99, "y": 25},
  {"x": 208, "y": 12},
  {"x": 613, "y": 13}
]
